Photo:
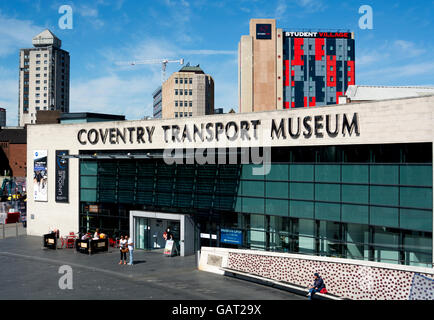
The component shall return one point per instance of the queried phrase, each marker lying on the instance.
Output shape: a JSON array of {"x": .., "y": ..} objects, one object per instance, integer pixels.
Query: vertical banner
[
  {"x": 62, "y": 176},
  {"x": 40, "y": 175}
]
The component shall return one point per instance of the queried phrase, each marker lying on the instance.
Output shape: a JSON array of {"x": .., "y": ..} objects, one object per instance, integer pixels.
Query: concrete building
[
  {"x": 364, "y": 93},
  {"x": 352, "y": 182},
  {"x": 187, "y": 93},
  {"x": 44, "y": 78},
  {"x": 281, "y": 69}
]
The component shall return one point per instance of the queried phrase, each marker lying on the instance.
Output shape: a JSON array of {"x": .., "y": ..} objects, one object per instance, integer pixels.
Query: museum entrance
[{"x": 149, "y": 232}]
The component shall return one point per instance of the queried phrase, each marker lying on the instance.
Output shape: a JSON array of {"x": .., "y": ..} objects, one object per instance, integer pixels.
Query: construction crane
[{"x": 163, "y": 63}]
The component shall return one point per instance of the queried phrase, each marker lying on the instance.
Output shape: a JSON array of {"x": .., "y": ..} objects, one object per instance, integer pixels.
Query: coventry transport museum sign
[{"x": 317, "y": 126}]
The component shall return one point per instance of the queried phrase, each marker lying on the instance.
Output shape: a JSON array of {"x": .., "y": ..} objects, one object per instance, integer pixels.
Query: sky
[{"x": 398, "y": 50}]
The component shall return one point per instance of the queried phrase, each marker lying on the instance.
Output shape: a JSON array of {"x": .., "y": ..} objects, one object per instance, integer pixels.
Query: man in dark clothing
[{"x": 318, "y": 285}]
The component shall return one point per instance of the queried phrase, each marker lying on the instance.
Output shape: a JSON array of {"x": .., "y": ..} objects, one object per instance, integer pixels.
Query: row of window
[
  {"x": 183, "y": 114},
  {"x": 322, "y": 47},
  {"x": 184, "y": 80},
  {"x": 185, "y": 91},
  {"x": 183, "y": 103}
]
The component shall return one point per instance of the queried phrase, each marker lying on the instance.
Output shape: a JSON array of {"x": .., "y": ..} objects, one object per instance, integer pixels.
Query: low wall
[{"x": 351, "y": 279}]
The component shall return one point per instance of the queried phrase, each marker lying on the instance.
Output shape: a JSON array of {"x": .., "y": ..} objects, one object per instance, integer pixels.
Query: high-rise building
[
  {"x": 187, "y": 93},
  {"x": 44, "y": 78},
  {"x": 2, "y": 117},
  {"x": 281, "y": 69}
]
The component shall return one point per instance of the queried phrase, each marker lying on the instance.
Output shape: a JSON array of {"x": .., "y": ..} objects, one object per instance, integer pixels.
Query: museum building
[{"x": 351, "y": 181}]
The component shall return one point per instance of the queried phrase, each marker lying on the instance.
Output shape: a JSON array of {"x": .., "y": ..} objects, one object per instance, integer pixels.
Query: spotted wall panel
[
  {"x": 344, "y": 280},
  {"x": 422, "y": 288}
]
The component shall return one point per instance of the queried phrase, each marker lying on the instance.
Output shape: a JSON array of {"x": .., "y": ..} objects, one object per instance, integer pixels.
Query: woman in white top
[{"x": 123, "y": 250}]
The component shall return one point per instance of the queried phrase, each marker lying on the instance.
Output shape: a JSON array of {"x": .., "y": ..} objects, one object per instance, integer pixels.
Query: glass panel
[
  {"x": 279, "y": 234},
  {"x": 306, "y": 236},
  {"x": 386, "y": 245},
  {"x": 301, "y": 209},
  {"x": 355, "y": 173},
  {"x": 278, "y": 172},
  {"x": 416, "y": 197},
  {"x": 302, "y": 191},
  {"x": 88, "y": 168},
  {"x": 277, "y": 189},
  {"x": 253, "y": 205},
  {"x": 418, "y": 249},
  {"x": 257, "y": 232},
  {"x": 328, "y": 192},
  {"x": 276, "y": 207},
  {"x": 252, "y": 188},
  {"x": 416, "y": 220},
  {"x": 384, "y": 174},
  {"x": 355, "y": 194},
  {"x": 355, "y": 214},
  {"x": 387, "y": 217},
  {"x": 384, "y": 195},
  {"x": 356, "y": 236},
  {"x": 328, "y": 173},
  {"x": 301, "y": 172},
  {"x": 330, "y": 239},
  {"x": 247, "y": 172},
  {"x": 88, "y": 182},
  {"x": 88, "y": 195},
  {"x": 327, "y": 211},
  {"x": 420, "y": 175}
]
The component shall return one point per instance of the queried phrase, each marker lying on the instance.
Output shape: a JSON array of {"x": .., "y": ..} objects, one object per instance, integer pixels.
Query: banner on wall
[
  {"x": 231, "y": 236},
  {"x": 62, "y": 176},
  {"x": 40, "y": 175}
]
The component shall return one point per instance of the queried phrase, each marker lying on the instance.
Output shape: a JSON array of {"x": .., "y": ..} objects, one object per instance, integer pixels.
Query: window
[
  {"x": 180, "y": 80},
  {"x": 331, "y": 68},
  {"x": 190, "y": 92},
  {"x": 349, "y": 48},
  {"x": 331, "y": 79},
  {"x": 185, "y": 114},
  {"x": 37, "y": 101},
  {"x": 38, "y": 81},
  {"x": 176, "y": 81},
  {"x": 38, "y": 62},
  {"x": 331, "y": 48},
  {"x": 185, "y": 92},
  {"x": 38, "y": 55},
  {"x": 176, "y": 114},
  {"x": 190, "y": 80},
  {"x": 38, "y": 75},
  {"x": 176, "y": 103},
  {"x": 37, "y": 88},
  {"x": 180, "y": 92},
  {"x": 349, "y": 68},
  {"x": 310, "y": 89},
  {"x": 180, "y": 103},
  {"x": 176, "y": 92},
  {"x": 37, "y": 68},
  {"x": 191, "y": 114},
  {"x": 190, "y": 103},
  {"x": 37, "y": 95},
  {"x": 185, "y": 80},
  {"x": 310, "y": 47}
]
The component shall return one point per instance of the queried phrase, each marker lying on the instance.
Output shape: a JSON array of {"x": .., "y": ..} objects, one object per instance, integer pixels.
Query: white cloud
[
  {"x": 15, "y": 34},
  {"x": 408, "y": 48}
]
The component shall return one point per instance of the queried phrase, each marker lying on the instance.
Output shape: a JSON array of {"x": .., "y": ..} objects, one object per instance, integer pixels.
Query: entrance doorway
[{"x": 147, "y": 230}]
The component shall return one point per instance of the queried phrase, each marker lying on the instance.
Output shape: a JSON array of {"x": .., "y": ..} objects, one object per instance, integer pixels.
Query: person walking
[
  {"x": 130, "y": 250},
  {"x": 123, "y": 250},
  {"x": 318, "y": 285}
]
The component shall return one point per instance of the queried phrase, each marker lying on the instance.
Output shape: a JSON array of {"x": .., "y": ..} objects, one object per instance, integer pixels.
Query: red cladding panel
[
  {"x": 313, "y": 102},
  {"x": 298, "y": 52},
  {"x": 286, "y": 83},
  {"x": 286, "y": 105},
  {"x": 338, "y": 94},
  {"x": 319, "y": 52},
  {"x": 331, "y": 71},
  {"x": 305, "y": 102},
  {"x": 292, "y": 104},
  {"x": 351, "y": 73}
]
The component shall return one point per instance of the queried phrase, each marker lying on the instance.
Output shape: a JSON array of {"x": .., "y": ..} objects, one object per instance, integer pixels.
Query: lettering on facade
[
  {"x": 307, "y": 127},
  {"x": 317, "y": 126}
]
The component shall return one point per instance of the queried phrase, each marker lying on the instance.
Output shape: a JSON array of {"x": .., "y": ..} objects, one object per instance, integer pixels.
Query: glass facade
[{"x": 359, "y": 202}]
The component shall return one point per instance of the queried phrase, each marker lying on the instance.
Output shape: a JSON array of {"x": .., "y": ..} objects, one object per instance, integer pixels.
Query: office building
[
  {"x": 187, "y": 93},
  {"x": 282, "y": 69},
  {"x": 43, "y": 78}
]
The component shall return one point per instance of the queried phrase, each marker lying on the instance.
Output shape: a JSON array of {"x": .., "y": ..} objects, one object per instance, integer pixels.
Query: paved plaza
[{"x": 27, "y": 271}]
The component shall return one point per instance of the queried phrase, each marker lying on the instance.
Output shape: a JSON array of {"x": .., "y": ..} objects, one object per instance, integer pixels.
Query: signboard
[
  {"x": 231, "y": 236},
  {"x": 40, "y": 175},
  {"x": 62, "y": 176},
  {"x": 309, "y": 34},
  {"x": 263, "y": 31},
  {"x": 169, "y": 248}
]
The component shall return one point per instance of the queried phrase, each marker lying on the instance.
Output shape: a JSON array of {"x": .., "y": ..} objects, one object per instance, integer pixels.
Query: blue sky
[{"x": 397, "y": 51}]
